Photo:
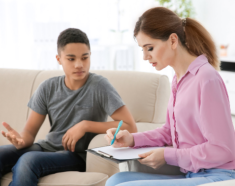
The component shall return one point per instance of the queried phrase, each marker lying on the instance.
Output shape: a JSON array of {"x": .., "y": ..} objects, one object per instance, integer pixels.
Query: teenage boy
[{"x": 77, "y": 104}]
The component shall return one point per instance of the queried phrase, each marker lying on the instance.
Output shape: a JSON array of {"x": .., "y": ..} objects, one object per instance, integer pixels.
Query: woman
[{"x": 198, "y": 123}]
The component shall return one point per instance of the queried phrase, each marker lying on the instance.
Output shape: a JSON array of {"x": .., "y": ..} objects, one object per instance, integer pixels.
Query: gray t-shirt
[{"x": 94, "y": 101}]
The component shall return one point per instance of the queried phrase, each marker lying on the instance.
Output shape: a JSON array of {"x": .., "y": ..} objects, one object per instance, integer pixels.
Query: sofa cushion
[
  {"x": 142, "y": 127},
  {"x": 69, "y": 178},
  {"x": 145, "y": 94},
  {"x": 16, "y": 87}
]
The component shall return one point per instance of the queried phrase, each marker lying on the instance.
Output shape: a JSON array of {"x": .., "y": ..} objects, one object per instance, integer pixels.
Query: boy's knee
[
  {"x": 27, "y": 162},
  {"x": 5, "y": 156},
  {"x": 28, "y": 157}
]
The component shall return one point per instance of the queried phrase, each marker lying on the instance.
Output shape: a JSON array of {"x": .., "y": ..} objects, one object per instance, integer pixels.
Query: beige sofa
[{"x": 145, "y": 94}]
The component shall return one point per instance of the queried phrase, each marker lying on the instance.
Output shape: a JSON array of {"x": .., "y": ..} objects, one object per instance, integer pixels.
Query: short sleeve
[
  {"x": 38, "y": 101},
  {"x": 108, "y": 97}
]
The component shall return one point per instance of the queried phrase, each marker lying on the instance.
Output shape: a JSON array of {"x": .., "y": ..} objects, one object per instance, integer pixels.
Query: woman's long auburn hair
[{"x": 160, "y": 23}]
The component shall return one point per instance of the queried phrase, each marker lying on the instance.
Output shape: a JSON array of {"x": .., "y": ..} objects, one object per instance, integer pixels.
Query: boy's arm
[
  {"x": 120, "y": 114},
  {"x": 29, "y": 132},
  {"x": 76, "y": 132}
]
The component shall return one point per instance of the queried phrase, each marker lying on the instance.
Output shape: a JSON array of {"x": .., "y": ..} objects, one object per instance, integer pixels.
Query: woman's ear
[
  {"x": 174, "y": 40},
  {"x": 58, "y": 59}
]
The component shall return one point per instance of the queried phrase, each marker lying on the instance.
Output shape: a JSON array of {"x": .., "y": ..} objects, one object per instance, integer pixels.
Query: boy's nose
[{"x": 78, "y": 64}]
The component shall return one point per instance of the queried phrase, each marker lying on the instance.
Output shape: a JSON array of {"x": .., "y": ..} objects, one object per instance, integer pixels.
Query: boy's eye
[
  {"x": 70, "y": 59},
  {"x": 84, "y": 58},
  {"x": 150, "y": 49}
]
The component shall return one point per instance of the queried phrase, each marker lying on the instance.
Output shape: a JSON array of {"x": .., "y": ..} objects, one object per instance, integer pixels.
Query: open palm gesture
[{"x": 13, "y": 136}]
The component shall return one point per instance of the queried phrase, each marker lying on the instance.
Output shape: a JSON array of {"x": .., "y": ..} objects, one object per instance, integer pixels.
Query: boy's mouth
[{"x": 79, "y": 72}]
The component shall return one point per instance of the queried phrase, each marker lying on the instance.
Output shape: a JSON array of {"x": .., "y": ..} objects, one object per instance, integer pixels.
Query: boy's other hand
[
  {"x": 123, "y": 138},
  {"x": 72, "y": 135},
  {"x": 13, "y": 136}
]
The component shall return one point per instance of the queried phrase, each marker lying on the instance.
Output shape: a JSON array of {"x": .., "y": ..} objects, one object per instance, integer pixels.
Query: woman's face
[{"x": 159, "y": 53}]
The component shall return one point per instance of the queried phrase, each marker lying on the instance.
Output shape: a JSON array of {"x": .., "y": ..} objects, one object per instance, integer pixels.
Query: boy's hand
[
  {"x": 154, "y": 158},
  {"x": 13, "y": 136},
  {"x": 72, "y": 135},
  {"x": 123, "y": 138}
]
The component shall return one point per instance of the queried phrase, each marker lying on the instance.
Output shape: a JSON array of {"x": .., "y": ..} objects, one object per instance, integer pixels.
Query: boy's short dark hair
[{"x": 71, "y": 35}]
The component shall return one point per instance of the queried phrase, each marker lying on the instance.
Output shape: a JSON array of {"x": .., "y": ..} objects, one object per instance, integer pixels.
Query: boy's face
[{"x": 75, "y": 60}]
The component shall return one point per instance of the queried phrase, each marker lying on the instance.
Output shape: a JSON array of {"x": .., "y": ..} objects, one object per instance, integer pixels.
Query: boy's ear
[{"x": 58, "y": 59}]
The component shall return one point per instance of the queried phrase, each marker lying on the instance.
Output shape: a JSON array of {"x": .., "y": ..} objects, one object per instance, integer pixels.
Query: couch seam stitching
[{"x": 31, "y": 91}]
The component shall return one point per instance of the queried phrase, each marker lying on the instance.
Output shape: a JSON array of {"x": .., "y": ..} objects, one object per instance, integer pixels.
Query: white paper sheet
[{"x": 125, "y": 153}]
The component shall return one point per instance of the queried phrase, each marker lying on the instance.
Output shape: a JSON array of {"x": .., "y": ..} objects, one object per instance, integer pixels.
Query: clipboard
[
  {"x": 119, "y": 155},
  {"x": 105, "y": 156}
]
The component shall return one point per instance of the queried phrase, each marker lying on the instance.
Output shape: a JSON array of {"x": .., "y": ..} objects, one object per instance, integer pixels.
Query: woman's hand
[
  {"x": 154, "y": 158},
  {"x": 123, "y": 138},
  {"x": 72, "y": 136},
  {"x": 13, "y": 136}
]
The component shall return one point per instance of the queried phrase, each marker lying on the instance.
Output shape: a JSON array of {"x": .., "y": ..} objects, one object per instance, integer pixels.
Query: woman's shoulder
[{"x": 208, "y": 73}]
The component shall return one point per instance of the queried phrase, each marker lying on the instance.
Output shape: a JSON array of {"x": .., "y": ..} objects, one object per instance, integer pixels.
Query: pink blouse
[{"x": 198, "y": 122}]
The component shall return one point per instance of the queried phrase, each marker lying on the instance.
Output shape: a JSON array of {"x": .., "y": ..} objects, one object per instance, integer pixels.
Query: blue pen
[{"x": 119, "y": 126}]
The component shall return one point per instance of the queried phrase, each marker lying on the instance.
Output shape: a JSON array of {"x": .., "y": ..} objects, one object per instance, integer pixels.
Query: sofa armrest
[
  {"x": 220, "y": 183},
  {"x": 97, "y": 164}
]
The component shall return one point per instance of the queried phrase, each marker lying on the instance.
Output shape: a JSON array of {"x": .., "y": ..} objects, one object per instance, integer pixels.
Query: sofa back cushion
[
  {"x": 16, "y": 87},
  {"x": 145, "y": 94}
]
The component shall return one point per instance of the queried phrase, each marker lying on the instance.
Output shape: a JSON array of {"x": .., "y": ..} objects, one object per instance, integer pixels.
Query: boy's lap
[
  {"x": 10, "y": 155},
  {"x": 34, "y": 155},
  {"x": 10, "y": 149},
  {"x": 45, "y": 163},
  {"x": 57, "y": 158}
]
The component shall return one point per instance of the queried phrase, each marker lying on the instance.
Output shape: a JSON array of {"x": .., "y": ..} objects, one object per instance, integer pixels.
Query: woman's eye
[{"x": 150, "y": 49}]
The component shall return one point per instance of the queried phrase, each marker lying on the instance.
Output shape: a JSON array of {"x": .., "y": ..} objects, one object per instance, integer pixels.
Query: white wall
[
  {"x": 29, "y": 29},
  {"x": 218, "y": 17}
]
